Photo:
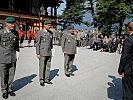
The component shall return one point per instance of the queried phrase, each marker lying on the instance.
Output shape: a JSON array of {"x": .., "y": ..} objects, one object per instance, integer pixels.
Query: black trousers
[
  {"x": 127, "y": 82},
  {"x": 68, "y": 62}
]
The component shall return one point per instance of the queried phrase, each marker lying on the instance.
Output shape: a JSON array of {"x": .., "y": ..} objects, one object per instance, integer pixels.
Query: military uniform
[
  {"x": 43, "y": 48},
  {"x": 9, "y": 44},
  {"x": 69, "y": 48}
]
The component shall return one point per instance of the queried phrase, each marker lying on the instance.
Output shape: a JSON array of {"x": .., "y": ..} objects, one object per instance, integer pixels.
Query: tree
[
  {"x": 111, "y": 12},
  {"x": 73, "y": 13}
]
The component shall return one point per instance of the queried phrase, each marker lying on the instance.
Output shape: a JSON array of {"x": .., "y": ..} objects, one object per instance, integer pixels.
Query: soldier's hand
[
  {"x": 38, "y": 56},
  {"x": 121, "y": 75},
  {"x": 65, "y": 52}
]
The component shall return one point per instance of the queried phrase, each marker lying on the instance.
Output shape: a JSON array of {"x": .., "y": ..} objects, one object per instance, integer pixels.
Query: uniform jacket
[
  {"x": 126, "y": 60},
  {"x": 69, "y": 43},
  {"x": 8, "y": 46},
  {"x": 44, "y": 43}
]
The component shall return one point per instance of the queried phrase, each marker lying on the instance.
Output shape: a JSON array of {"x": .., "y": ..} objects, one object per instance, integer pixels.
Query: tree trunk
[{"x": 120, "y": 26}]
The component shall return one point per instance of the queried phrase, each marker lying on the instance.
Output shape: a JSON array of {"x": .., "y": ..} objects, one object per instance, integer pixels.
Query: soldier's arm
[
  {"x": 0, "y": 37},
  {"x": 63, "y": 40},
  {"x": 38, "y": 39},
  {"x": 17, "y": 41},
  {"x": 51, "y": 39}
]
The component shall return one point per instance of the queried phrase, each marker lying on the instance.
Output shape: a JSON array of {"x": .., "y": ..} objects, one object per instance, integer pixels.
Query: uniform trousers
[
  {"x": 7, "y": 73},
  {"x": 68, "y": 62},
  {"x": 127, "y": 82},
  {"x": 44, "y": 68}
]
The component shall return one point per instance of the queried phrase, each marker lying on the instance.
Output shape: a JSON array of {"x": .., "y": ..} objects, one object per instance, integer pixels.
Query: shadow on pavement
[
  {"x": 53, "y": 73},
  {"x": 74, "y": 68},
  {"x": 115, "y": 88},
  {"x": 20, "y": 83}
]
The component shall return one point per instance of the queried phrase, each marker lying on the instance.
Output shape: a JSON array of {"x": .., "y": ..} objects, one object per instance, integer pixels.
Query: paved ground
[{"x": 95, "y": 77}]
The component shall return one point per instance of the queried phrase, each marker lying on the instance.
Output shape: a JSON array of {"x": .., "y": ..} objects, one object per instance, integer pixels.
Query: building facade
[{"x": 30, "y": 12}]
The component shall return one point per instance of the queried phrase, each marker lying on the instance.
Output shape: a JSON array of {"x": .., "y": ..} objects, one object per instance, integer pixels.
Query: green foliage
[
  {"x": 73, "y": 13},
  {"x": 106, "y": 13},
  {"x": 111, "y": 12}
]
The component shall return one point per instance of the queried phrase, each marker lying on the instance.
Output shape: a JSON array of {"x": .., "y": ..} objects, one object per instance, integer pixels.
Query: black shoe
[
  {"x": 42, "y": 84},
  {"x": 68, "y": 75},
  {"x": 5, "y": 95},
  {"x": 71, "y": 74},
  {"x": 12, "y": 93},
  {"x": 48, "y": 82}
]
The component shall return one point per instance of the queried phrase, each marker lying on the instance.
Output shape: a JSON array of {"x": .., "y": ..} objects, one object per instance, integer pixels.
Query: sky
[
  {"x": 61, "y": 7},
  {"x": 86, "y": 18}
]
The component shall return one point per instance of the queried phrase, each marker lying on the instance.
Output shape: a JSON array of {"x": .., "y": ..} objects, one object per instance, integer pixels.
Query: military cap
[
  {"x": 10, "y": 19},
  {"x": 47, "y": 22},
  {"x": 70, "y": 27}
]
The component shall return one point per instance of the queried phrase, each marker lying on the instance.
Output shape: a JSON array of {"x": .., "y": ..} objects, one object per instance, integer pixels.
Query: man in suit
[
  {"x": 125, "y": 69},
  {"x": 44, "y": 52},
  {"x": 69, "y": 49},
  {"x": 9, "y": 44}
]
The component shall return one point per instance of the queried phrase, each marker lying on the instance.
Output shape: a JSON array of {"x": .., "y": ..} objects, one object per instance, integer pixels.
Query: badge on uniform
[
  {"x": 14, "y": 39},
  {"x": 4, "y": 42},
  {"x": 69, "y": 41},
  {"x": 44, "y": 40}
]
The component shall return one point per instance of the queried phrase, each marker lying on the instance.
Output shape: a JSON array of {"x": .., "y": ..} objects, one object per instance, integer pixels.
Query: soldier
[
  {"x": 69, "y": 49},
  {"x": 9, "y": 44},
  {"x": 44, "y": 53}
]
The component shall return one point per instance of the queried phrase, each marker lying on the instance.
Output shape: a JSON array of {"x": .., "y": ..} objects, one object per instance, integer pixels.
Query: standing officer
[
  {"x": 69, "y": 49},
  {"x": 44, "y": 52},
  {"x": 9, "y": 44},
  {"x": 125, "y": 69}
]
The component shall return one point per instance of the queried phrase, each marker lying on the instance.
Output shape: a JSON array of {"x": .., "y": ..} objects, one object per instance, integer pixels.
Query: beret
[
  {"x": 47, "y": 22},
  {"x": 70, "y": 27},
  {"x": 10, "y": 19}
]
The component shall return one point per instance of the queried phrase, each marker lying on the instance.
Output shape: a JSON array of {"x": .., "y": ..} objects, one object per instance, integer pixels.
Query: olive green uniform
[
  {"x": 44, "y": 49},
  {"x": 8, "y": 46},
  {"x": 69, "y": 46}
]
